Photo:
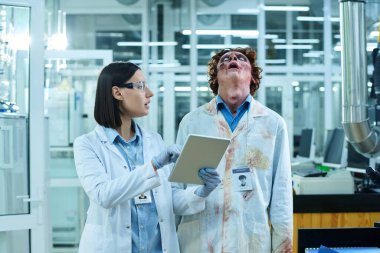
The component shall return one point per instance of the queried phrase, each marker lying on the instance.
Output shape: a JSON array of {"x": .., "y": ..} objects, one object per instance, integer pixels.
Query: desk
[{"x": 334, "y": 211}]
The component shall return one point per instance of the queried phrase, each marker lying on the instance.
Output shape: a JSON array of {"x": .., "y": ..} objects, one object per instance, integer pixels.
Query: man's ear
[{"x": 116, "y": 93}]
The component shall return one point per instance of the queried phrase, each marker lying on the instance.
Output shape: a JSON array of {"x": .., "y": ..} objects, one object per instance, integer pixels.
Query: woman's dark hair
[
  {"x": 107, "y": 112},
  {"x": 213, "y": 70}
]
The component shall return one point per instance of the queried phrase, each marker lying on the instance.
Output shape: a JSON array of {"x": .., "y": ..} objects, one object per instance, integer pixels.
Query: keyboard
[{"x": 309, "y": 172}]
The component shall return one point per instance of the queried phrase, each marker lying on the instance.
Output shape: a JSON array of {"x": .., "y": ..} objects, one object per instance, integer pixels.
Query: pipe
[{"x": 363, "y": 136}]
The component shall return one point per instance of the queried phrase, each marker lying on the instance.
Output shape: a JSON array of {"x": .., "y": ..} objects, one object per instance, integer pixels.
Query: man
[
  {"x": 259, "y": 218},
  {"x": 243, "y": 181}
]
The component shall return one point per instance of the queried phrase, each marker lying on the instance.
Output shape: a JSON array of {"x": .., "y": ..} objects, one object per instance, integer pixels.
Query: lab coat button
[
  {"x": 125, "y": 167},
  {"x": 162, "y": 220},
  {"x": 164, "y": 250},
  {"x": 128, "y": 227}
]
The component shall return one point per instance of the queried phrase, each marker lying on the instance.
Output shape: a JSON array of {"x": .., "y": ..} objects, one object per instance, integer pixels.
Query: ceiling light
[
  {"x": 311, "y": 55},
  {"x": 318, "y": 19},
  {"x": 271, "y": 36},
  {"x": 311, "y": 41},
  {"x": 295, "y": 83},
  {"x": 151, "y": 44},
  {"x": 293, "y": 46},
  {"x": 253, "y": 33},
  {"x": 275, "y": 61},
  {"x": 111, "y": 34},
  {"x": 286, "y": 8},
  {"x": 248, "y": 11},
  {"x": 186, "y": 88},
  {"x": 215, "y": 46},
  {"x": 279, "y": 40}
]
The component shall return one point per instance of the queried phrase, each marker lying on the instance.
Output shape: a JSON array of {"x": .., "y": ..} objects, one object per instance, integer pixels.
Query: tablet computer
[{"x": 198, "y": 152}]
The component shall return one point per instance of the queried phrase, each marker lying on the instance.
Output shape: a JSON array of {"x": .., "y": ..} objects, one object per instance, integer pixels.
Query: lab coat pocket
[
  {"x": 189, "y": 237},
  {"x": 92, "y": 239},
  {"x": 260, "y": 149}
]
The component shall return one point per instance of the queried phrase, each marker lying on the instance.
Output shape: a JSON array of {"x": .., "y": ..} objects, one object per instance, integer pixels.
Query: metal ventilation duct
[
  {"x": 363, "y": 136},
  {"x": 213, "y": 3},
  {"x": 127, "y": 2}
]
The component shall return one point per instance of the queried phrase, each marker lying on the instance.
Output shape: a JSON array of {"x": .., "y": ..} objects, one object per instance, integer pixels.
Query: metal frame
[{"x": 38, "y": 219}]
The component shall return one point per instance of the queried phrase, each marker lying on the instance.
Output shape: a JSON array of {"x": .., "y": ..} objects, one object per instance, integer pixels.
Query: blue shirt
[
  {"x": 146, "y": 235},
  {"x": 231, "y": 120}
]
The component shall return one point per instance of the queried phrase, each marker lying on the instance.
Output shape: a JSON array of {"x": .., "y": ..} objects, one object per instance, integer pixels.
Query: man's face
[{"x": 234, "y": 75}]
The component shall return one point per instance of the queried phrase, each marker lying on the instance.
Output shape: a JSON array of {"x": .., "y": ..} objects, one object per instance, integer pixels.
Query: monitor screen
[
  {"x": 306, "y": 142},
  {"x": 334, "y": 147},
  {"x": 355, "y": 159}
]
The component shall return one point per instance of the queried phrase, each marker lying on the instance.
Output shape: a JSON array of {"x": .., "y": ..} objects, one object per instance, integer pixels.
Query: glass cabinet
[
  {"x": 14, "y": 111},
  {"x": 70, "y": 85}
]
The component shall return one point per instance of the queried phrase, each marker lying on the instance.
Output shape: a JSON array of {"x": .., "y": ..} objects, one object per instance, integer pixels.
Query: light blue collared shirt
[
  {"x": 231, "y": 120},
  {"x": 146, "y": 234}
]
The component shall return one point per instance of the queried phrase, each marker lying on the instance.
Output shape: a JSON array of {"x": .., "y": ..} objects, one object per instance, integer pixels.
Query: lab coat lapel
[
  {"x": 147, "y": 144},
  {"x": 221, "y": 123},
  {"x": 104, "y": 140},
  {"x": 256, "y": 109}
]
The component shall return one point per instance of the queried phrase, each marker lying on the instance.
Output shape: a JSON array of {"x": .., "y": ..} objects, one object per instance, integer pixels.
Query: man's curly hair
[{"x": 213, "y": 71}]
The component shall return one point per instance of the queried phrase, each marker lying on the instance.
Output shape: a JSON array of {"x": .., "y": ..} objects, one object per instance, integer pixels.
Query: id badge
[
  {"x": 242, "y": 179},
  {"x": 143, "y": 198}
]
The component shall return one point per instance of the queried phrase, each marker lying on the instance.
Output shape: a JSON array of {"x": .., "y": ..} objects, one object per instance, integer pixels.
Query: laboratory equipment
[{"x": 338, "y": 181}]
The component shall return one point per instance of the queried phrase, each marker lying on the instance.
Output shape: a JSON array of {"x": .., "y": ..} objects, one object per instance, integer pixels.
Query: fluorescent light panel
[
  {"x": 275, "y": 61},
  {"x": 303, "y": 41},
  {"x": 253, "y": 33},
  {"x": 286, "y": 8},
  {"x": 293, "y": 46},
  {"x": 316, "y": 19},
  {"x": 279, "y": 40},
  {"x": 295, "y": 83},
  {"x": 151, "y": 44},
  {"x": 271, "y": 36},
  {"x": 311, "y": 55},
  {"x": 248, "y": 11},
  {"x": 186, "y": 88},
  {"x": 214, "y": 46}
]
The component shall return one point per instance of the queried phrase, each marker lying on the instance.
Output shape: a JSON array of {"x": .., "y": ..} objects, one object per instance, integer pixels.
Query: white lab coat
[
  {"x": 236, "y": 221},
  {"x": 110, "y": 186}
]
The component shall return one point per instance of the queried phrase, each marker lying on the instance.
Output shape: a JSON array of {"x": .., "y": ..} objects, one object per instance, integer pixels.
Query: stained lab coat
[
  {"x": 236, "y": 221},
  {"x": 110, "y": 186}
]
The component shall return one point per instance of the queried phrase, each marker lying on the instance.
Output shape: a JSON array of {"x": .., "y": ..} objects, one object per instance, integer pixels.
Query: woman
[{"x": 117, "y": 163}]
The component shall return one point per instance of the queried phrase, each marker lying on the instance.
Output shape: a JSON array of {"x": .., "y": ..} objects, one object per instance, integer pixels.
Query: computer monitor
[
  {"x": 335, "y": 152},
  {"x": 356, "y": 162},
  {"x": 306, "y": 148}
]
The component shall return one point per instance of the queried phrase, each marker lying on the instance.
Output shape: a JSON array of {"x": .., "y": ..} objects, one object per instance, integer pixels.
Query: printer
[{"x": 339, "y": 181}]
